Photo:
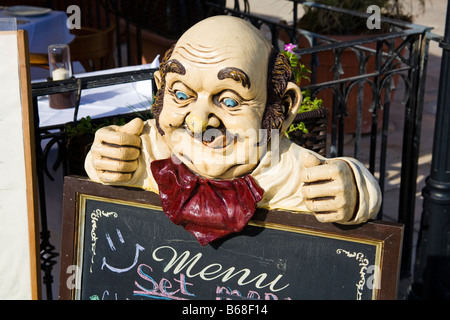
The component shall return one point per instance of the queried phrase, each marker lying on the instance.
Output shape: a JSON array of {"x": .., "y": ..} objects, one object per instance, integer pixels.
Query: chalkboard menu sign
[{"x": 118, "y": 244}]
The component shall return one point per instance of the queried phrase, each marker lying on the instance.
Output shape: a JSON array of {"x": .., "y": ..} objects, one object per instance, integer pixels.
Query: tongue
[{"x": 219, "y": 142}]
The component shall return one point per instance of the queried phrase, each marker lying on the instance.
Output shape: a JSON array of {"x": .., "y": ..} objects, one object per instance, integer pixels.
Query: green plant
[
  {"x": 306, "y": 105},
  {"x": 87, "y": 126},
  {"x": 300, "y": 72}
]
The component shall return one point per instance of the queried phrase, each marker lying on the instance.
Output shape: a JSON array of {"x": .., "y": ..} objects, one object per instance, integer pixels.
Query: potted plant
[
  {"x": 309, "y": 128},
  {"x": 345, "y": 27}
]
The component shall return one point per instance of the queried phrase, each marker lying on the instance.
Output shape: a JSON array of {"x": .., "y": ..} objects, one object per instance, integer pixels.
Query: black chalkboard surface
[{"x": 122, "y": 246}]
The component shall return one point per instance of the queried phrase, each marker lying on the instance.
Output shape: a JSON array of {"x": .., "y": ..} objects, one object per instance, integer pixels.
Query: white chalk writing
[
  {"x": 363, "y": 263},
  {"x": 213, "y": 271},
  {"x": 95, "y": 216}
]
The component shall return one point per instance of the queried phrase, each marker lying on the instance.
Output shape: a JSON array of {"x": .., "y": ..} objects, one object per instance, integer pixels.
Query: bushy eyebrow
[
  {"x": 174, "y": 66},
  {"x": 235, "y": 74}
]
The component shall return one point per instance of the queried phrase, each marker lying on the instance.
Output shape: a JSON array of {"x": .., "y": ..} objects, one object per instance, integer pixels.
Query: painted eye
[
  {"x": 230, "y": 103},
  {"x": 181, "y": 95}
]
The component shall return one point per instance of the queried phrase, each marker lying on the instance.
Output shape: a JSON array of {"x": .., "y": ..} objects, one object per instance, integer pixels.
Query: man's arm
[
  {"x": 113, "y": 158},
  {"x": 369, "y": 193},
  {"x": 337, "y": 190}
]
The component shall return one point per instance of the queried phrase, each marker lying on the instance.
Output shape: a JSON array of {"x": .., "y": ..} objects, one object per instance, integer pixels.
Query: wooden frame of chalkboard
[{"x": 118, "y": 244}]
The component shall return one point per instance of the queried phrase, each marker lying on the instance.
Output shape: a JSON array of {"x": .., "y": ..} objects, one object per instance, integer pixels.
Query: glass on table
[
  {"x": 59, "y": 62},
  {"x": 60, "y": 69}
]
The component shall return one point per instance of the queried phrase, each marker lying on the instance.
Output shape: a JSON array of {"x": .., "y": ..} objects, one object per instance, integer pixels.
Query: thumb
[
  {"x": 310, "y": 159},
  {"x": 135, "y": 127}
]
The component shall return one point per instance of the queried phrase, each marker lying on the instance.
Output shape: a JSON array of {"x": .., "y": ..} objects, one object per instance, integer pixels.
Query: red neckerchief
[{"x": 209, "y": 209}]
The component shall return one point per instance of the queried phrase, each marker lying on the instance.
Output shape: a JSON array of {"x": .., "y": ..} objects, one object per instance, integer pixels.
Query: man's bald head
[{"x": 224, "y": 37}]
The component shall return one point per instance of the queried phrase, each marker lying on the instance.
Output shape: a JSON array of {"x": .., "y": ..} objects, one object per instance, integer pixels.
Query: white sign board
[{"x": 19, "y": 262}]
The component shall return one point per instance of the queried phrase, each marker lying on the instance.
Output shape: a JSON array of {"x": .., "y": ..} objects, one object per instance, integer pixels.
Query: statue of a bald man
[{"x": 215, "y": 149}]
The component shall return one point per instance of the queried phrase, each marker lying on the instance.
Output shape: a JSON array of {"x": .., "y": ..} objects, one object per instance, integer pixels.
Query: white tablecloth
[
  {"x": 43, "y": 31},
  {"x": 105, "y": 101}
]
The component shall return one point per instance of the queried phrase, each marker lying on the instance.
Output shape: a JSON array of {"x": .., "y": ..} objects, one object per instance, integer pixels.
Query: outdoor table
[{"x": 43, "y": 30}]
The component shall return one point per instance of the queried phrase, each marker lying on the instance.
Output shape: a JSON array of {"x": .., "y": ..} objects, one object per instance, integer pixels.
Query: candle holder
[{"x": 60, "y": 69}]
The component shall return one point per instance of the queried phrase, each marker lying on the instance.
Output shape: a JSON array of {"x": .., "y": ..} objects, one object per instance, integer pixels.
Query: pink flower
[{"x": 289, "y": 47}]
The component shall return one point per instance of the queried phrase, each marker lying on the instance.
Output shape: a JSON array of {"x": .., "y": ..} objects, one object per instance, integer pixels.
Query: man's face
[{"x": 214, "y": 101}]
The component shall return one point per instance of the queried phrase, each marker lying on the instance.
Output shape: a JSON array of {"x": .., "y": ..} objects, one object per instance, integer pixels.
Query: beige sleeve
[
  {"x": 369, "y": 192},
  {"x": 281, "y": 181}
]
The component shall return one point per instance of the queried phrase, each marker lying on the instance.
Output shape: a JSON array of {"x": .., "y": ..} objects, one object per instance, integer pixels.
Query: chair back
[{"x": 39, "y": 60}]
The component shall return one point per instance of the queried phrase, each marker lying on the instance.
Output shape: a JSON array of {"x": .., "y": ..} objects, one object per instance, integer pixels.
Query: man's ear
[
  {"x": 291, "y": 101},
  {"x": 157, "y": 77}
]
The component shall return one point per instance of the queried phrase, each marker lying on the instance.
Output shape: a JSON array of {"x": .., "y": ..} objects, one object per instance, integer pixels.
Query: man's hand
[
  {"x": 116, "y": 150},
  {"x": 329, "y": 188}
]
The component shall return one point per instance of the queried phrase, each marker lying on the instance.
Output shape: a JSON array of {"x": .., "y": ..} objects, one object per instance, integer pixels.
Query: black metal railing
[{"x": 398, "y": 55}]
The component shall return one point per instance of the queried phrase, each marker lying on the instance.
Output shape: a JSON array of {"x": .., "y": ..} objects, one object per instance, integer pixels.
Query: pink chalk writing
[
  {"x": 226, "y": 293},
  {"x": 164, "y": 289}
]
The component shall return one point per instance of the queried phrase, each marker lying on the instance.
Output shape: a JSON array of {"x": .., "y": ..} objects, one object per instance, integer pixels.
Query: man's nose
[{"x": 202, "y": 116}]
